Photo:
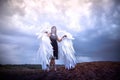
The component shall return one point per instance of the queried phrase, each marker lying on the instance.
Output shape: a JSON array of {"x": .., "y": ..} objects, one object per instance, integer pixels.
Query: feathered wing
[
  {"x": 67, "y": 52},
  {"x": 45, "y": 50}
]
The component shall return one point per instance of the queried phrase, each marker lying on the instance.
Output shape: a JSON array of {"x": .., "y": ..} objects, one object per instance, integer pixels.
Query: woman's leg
[
  {"x": 55, "y": 65},
  {"x": 52, "y": 64}
]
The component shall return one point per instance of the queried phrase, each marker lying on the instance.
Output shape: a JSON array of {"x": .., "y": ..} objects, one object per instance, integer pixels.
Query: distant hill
[{"x": 83, "y": 71}]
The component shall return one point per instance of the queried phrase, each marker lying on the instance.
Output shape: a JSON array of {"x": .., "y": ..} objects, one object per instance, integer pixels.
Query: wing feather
[{"x": 67, "y": 51}]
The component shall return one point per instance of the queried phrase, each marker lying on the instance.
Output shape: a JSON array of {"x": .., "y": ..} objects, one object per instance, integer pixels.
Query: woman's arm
[{"x": 60, "y": 39}]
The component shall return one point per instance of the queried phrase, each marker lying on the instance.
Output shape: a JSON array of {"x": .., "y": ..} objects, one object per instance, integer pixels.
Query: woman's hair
[{"x": 53, "y": 30}]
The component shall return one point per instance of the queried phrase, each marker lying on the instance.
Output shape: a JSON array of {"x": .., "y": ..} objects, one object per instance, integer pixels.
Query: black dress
[{"x": 54, "y": 44}]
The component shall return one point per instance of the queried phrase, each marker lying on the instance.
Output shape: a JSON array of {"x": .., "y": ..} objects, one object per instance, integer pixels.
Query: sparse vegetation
[{"x": 82, "y": 71}]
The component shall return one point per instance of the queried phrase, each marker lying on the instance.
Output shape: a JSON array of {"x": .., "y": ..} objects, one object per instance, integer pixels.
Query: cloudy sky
[{"x": 95, "y": 25}]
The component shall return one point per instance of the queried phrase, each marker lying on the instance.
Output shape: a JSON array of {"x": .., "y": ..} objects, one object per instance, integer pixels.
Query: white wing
[
  {"x": 45, "y": 50},
  {"x": 67, "y": 51}
]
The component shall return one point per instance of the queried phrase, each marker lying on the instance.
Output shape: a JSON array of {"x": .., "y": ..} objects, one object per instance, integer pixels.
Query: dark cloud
[
  {"x": 109, "y": 10},
  {"x": 117, "y": 2},
  {"x": 100, "y": 41},
  {"x": 7, "y": 8},
  {"x": 102, "y": 47}
]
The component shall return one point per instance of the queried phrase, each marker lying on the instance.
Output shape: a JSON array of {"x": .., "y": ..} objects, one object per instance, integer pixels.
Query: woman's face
[{"x": 53, "y": 29}]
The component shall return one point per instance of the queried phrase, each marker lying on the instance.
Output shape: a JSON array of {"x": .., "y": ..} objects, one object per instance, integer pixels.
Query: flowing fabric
[{"x": 45, "y": 50}]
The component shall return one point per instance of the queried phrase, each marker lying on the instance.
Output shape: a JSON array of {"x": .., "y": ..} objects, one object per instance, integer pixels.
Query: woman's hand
[{"x": 64, "y": 36}]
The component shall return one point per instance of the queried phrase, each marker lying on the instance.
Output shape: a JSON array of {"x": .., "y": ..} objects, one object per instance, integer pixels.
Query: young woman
[
  {"x": 48, "y": 50},
  {"x": 54, "y": 38}
]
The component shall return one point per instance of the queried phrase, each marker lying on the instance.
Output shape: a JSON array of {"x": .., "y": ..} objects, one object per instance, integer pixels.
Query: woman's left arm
[{"x": 60, "y": 39}]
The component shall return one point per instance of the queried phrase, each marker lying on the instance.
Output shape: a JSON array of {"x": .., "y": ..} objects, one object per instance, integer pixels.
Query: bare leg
[{"x": 52, "y": 64}]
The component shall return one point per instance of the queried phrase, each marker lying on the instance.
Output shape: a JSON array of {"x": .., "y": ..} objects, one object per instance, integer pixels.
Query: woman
[
  {"x": 48, "y": 50},
  {"x": 54, "y": 38}
]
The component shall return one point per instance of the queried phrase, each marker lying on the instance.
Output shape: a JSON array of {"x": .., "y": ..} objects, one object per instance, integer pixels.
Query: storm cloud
[{"x": 93, "y": 23}]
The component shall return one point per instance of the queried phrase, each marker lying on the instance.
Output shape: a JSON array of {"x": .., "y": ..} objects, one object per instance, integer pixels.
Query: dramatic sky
[{"x": 95, "y": 25}]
